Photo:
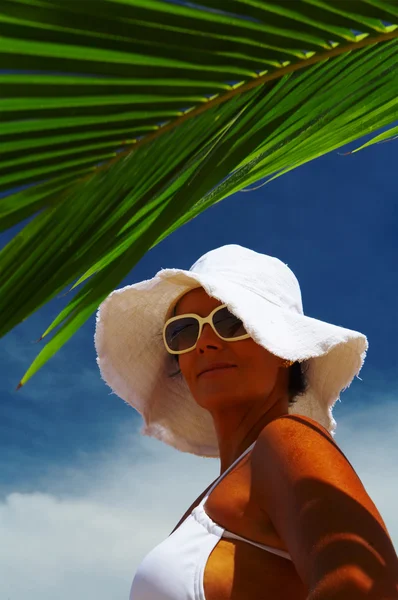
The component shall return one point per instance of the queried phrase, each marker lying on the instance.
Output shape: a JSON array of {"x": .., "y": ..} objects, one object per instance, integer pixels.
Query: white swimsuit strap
[
  {"x": 272, "y": 549},
  {"x": 225, "y": 473}
]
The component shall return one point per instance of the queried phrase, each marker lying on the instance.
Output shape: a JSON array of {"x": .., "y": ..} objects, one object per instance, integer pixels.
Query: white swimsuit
[{"x": 174, "y": 569}]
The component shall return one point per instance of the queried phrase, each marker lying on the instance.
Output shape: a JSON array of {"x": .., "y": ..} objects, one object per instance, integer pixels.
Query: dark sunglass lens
[
  {"x": 182, "y": 333},
  {"x": 227, "y": 325}
]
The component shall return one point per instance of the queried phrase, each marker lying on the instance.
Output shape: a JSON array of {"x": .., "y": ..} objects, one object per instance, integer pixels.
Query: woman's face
[{"x": 255, "y": 374}]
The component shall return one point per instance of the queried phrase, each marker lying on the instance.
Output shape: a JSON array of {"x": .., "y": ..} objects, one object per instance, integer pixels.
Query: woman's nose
[{"x": 208, "y": 339}]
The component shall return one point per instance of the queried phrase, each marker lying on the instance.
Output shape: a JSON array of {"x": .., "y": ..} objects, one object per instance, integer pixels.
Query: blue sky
[{"x": 83, "y": 497}]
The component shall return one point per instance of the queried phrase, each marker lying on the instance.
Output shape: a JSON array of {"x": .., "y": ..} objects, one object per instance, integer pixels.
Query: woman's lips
[{"x": 216, "y": 371}]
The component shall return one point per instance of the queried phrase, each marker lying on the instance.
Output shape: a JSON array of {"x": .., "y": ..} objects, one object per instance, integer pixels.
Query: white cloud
[
  {"x": 89, "y": 544},
  {"x": 85, "y": 536}
]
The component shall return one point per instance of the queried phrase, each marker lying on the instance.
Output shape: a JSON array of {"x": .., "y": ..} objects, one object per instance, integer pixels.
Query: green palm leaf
[{"x": 124, "y": 119}]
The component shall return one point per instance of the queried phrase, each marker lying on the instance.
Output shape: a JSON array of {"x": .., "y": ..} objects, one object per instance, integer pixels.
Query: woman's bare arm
[{"x": 334, "y": 533}]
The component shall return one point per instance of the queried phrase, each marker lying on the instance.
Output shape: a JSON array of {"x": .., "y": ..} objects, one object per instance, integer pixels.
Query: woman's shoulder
[
  {"x": 300, "y": 433},
  {"x": 303, "y": 454}
]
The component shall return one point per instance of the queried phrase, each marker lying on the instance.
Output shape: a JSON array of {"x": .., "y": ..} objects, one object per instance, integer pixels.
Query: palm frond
[
  {"x": 124, "y": 119},
  {"x": 386, "y": 136}
]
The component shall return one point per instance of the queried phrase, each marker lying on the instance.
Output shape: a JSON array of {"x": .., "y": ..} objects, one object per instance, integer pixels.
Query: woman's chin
[{"x": 221, "y": 399}]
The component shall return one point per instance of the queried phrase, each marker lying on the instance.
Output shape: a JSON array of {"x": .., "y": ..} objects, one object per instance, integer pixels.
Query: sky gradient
[{"x": 83, "y": 497}]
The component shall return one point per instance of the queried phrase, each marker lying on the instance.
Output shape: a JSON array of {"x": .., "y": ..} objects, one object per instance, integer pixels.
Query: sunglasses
[{"x": 181, "y": 333}]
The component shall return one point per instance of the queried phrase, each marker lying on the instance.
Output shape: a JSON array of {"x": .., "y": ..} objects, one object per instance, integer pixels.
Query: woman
[{"x": 288, "y": 518}]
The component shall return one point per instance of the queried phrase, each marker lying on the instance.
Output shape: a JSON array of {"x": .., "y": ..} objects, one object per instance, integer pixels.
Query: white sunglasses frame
[{"x": 202, "y": 322}]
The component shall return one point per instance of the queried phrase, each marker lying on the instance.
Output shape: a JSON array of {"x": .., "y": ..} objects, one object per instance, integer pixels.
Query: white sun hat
[{"x": 260, "y": 290}]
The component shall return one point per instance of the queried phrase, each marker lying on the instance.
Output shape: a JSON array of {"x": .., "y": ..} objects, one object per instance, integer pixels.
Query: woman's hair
[{"x": 297, "y": 385}]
